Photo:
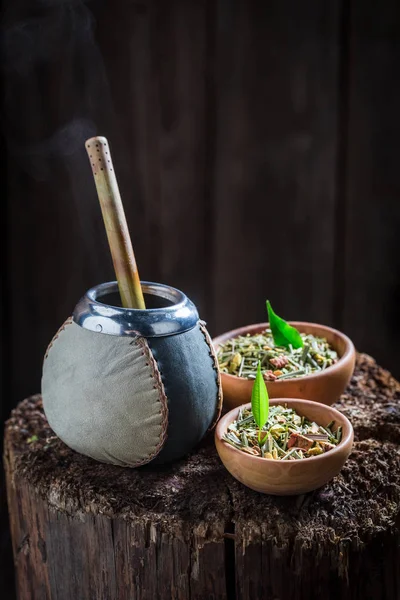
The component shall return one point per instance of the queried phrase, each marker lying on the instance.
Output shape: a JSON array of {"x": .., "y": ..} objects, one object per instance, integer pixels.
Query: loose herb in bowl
[
  {"x": 278, "y": 432},
  {"x": 283, "y": 352},
  {"x": 286, "y": 435}
]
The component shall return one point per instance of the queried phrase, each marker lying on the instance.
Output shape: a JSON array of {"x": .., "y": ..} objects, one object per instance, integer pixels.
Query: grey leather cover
[{"x": 103, "y": 396}]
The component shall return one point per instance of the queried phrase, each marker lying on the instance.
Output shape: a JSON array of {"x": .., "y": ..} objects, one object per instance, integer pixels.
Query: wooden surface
[
  {"x": 372, "y": 192},
  {"x": 255, "y": 151},
  {"x": 256, "y": 148},
  {"x": 82, "y": 529},
  {"x": 276, "y": 85}
]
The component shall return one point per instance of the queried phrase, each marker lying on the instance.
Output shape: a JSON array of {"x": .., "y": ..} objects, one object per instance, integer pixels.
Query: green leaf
[
  {"x": 283, "y": 333},
  {"x": 259, "y": 399}
]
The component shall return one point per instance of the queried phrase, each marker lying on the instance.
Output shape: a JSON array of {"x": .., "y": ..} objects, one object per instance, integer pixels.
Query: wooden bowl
[
  {"x": 287, "y": 477},
  {"x": 325, "y": 386}
]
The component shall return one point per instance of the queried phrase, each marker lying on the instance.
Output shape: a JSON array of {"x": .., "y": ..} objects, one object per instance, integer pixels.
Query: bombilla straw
[{"x": 115, "y": 223}]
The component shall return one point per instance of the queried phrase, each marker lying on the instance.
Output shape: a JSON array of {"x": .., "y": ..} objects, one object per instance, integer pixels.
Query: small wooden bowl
[
  {"x": 325, "y": 386},
  {"x": 287, "y": 477}
]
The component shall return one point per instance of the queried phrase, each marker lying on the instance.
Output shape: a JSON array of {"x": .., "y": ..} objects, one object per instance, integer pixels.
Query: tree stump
[{"x": 84, "y": 530}]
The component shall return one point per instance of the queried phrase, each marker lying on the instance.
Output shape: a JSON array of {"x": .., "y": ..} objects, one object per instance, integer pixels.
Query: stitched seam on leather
[
  {"x": 62, "y": 328},
  {"x": 158, "y": 385},
  {"x": 213, "y": 355}
]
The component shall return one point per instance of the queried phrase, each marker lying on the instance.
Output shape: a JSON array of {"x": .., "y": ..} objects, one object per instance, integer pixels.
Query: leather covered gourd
[{"x": 128, "y": 386}]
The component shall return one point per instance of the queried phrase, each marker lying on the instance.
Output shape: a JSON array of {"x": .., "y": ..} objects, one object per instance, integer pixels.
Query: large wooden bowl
[
  {"x": 325, "y": 386},
  {"x": 287, "y": 477}
]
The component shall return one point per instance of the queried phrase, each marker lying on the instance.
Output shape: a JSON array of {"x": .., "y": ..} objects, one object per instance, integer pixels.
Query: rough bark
[{"x": 86, "y": 530}]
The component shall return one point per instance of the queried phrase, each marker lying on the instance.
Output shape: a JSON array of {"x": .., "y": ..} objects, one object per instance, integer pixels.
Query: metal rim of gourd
[{"x": 92, "y": 314}]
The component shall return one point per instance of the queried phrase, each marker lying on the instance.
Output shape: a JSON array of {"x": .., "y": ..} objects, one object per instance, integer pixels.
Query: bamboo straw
[{"x": 115, "y": 223}]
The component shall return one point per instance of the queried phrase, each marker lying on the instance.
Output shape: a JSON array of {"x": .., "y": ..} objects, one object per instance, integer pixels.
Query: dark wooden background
[{"x": 257, "y": 151}]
